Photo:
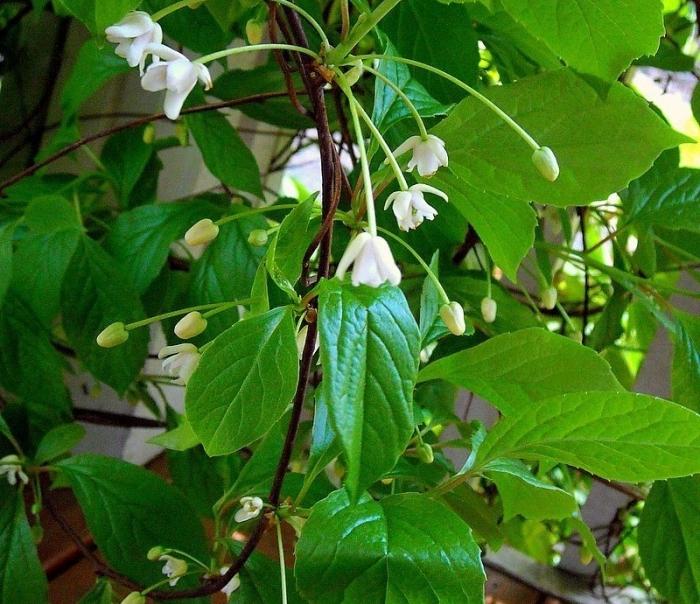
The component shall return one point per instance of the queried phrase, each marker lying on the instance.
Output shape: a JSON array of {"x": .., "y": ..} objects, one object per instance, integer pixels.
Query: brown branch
[
  {"x": 108, "y": 418},
  {"x": 253, "y": 98},
  {"x": 470, "y": 240}
]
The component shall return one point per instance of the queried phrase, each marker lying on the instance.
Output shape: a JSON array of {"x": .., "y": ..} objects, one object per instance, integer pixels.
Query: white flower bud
[
  {"x": 452, "y": 315},
  {"x": 202, "y": 232},
  {"x": 113, "y": 335},
  {"x": 257, "y": 237},
  {"x": 191, "y": 325},
  {"x": 353, "y": 74},
  {"x": 548, "y": 297},
  {"x": 546, "y": 163},
  {"x": 174, "y": 568},
  {"x": 488, "y": 309},
  {"x": 134, "y": 598},
  {"x": 427, "y": 352},
  {"x": 233, "y": 584},
  {"x": 250, "y": 508}
]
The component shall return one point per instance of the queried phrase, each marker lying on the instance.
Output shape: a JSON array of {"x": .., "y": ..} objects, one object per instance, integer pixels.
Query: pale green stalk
[
  {"x": 183, "y": 311},
  {"x": 283, "y": 570},
  {"x": 232, "y": 217},
  {"x": 164, "y": 12},
  {"x": 229, "y": 52}
]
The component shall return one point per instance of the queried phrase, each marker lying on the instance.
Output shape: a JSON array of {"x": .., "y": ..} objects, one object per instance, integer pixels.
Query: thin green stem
[
  {"x": 227, "y": 306},
  {"x": 364, "y": 162},
  {"x": 426, "y": 268},
  {"x": 255, "y": 48},
  {"x": 283, "y": 570},
  {"x": 457, "y": 82},
  {"x": 164, "y": 12},
  {"x": 232, "y": 217},
  {"x": 315, "y": 24},
  {"x": 404, "y": 97},
  {"x": 182, "y": 311},
  {"x": 190, "y": 557}
]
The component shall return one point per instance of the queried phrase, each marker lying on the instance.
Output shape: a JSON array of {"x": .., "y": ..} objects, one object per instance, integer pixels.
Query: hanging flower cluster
[{"x": 139, "y": 37}]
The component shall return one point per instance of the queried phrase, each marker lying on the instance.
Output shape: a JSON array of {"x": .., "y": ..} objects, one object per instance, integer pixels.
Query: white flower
[
  {"x": 250, "y": 508},
  {"x": 488, "y": 309},
  {"x": 176, "y": 74},
  {"x": 12, "y": 466},
  {"x": 373, "y": 262},
  {"x": 428, "y": 155},
  {"x": 174, "y": 568},
  {"x": 548, "y": 297},
  {"x": 132, "y": 34},
  {"x": 181, "y": 362},
  {"x": 233, "y": 584},
  {"x": 410, "y": 208},
  {"x": 452, "y": 315}
]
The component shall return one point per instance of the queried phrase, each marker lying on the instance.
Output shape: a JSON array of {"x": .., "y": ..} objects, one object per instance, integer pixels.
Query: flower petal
[
  {"x": 174, "y": 101},
  {"x": 155, "y": 78},
  {"x": 423, "y": 188},
  {"x": 136, "y": 23},
  {"x": 351, "y": 252}
]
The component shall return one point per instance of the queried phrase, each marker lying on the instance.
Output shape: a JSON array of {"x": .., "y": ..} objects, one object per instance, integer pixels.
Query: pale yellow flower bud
[
  {"x": 202, "y": 232},
  {"x": 254, "y": 31},
  {"x": 546, "y": 163},
  {"x": 577, "y": 336},
  {"x": 113, "y": 335},
  {"x": 548, "y": 298},
  {"x": 156, "y": 552},
  {"x": 257, "y": 237},
  {"x": 149, "y": 134},
  {"x": 191, "y": 325},
  {"x": 488, "y": 309},
  {"x": 134, "y": 598},
  {"x": 452, "y": 315},
  {"x": 425, "y": 453}
]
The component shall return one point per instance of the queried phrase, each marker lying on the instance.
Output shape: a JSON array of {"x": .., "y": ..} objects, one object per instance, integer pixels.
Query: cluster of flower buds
[{"x": 137, "y": 37}]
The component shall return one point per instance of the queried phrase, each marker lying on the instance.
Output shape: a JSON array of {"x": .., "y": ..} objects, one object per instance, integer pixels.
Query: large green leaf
[
  {"x": 525, "y": 495},
  {"x": 604, "y": 136},
  {"x": 685, "y": 369},
  {"x": 245, "y": 380},
  {"x": 615, "y": 435},
  {"x": 125, "y": 157},
  {"x": 512, "y": 370},
  {"x": 224, "y": 152},
  {"x": 600, "y": 37},
  {"x": 6, "y": 232},
  {"x": 22, "y": 580},
  {"x": 129, "y": 510},
  {"x": 58, "y": 441},
  {"x": 369, "y": 350},
  {"x": 108, "y": 13},
  {"x": 667, "y": 196},
  {"x": 669, "y": 541},
  {"x": 405, "y": 549},
  {"x": 140, "y": 239},
  {"x": 95, "y": 294},
  {"x": 413, "y": 25}
]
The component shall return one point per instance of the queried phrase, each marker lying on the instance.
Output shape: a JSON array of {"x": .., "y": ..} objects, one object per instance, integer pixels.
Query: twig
[{"x": 108, "y": 418}]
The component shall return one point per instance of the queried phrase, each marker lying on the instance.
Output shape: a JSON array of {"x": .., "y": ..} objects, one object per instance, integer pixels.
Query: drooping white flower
[
  {"x": 181, "y": 361},
  {"x": 173, "y": 568},
  {"x": 373, "y": 261},
  {"x": 250, "y": 508},
  {"x": 132, "y": 34},
  {"x": 410, "y": 207},
  {"x": 233, "y": 584},
  {"x": 489, "y": 309},
  {"x": 175, "y": 74},
  {"x": 428, "y": 154},
  {"x": 11, "y": 466}
]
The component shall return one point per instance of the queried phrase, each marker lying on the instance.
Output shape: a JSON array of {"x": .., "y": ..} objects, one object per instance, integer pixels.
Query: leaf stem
[
  {"x": 228, "y": 52},
  {"x": 164, "y": 12},
  {"x": 239, "y": 215},
  {"x": 280, "y": 550},
  {"x": 184, "y": 311}
]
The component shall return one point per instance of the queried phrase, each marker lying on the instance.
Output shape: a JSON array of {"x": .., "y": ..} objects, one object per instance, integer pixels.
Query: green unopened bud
[
  {"x": 452, "y": 315},
  {"x": 191, "y": 325},
  {"x": 113, "y": 335},
  {"x": 546, "y": 163},
  {"x": 37, "y": 533},
  {"x": 202, "y": 232},
  {"x": 182, "y": 134},
  {"x": 134, "y": 598},
  {"x": 257, "y": 237},
  {"x": 353, "y": 74},
  {"x": 425, "y": 453},
  {"x": 149, "y": 134},
  {"x": 489, "y": 309},
  {"x": 548, "y": 298},
  {"x": 193, "y": 4},
  {"x": 254, "y": 31},
  {"x": 156, "y": 552}
]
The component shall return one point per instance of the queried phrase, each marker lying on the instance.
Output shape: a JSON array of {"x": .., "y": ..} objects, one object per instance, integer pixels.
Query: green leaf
[
  {"x": 405, "y": 549},
  {"x": 109, "y": 13},
  {"x": 324, "y": 442},
  {"x": 476, "y": 512},
  {"x": 430, "y": 323},
  {"x": 685, "y": 369},
  {"x": 94, "y": 295},
  {"x": 91, "y": 70},
  {"x": 224, "y": 152},
  {"x": 615, "y": 435},
  {"x": 226, "y": 270},
  {"x": 669, "y": 542},
  {"x": 525, "y": 495},
  {"x": 140, "y": 239},
  {"x": 513, "y": 370},
  {"x": 49, "y": 213},
  {"x": 100, "y": 594},
  {"x": 505, "y": 225},
  {"x": 125, "y": 157},
  {"x": 245, "y": 380},
  {"x": 389, "y": 107},
  {"x": 6, "y": 233},
  {"x": 129, "y": 510},
  {"x": 600, "y": 37},
  {"x": 412, "y": 27},
  {"x": 58, "y": 441},
  {"x": 603, "y": 135},
  {"x": 180, "y": 438},
  {"x": 287, "y": 250},
  {"x": 22, "y": 580},
  {"x": 667, "y": 196},
  {"x": 369, "y": 351}
]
